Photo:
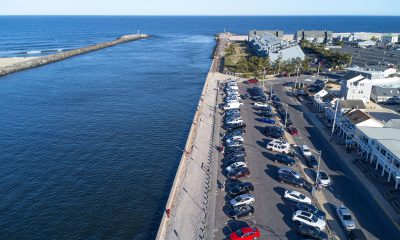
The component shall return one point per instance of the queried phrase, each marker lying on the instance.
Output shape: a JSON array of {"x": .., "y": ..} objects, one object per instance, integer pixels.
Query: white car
[
  {"x": 232, "y": 105},
  {"x": 279, "y": 141},
  {"x": 234, "y": 139},
  {"x": 235, "y": 165},
  {"x": 234, "y": 121},
  {"x": 323, "y": 178},
  {"x": 261, "y": 104},
  {"x": 303, "y": 217},
  {"x": 244, "y": 199},
  {"x": 296, "y": 196},
  {"x": 289, "y": 171},
  {"x": 345, "y": 217},
  {"x": 278, "y": 148},
  {"x": 305, "y": 150}
]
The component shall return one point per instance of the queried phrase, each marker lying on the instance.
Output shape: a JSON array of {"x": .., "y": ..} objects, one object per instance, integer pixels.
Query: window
[{"x": 360, "y": 92}]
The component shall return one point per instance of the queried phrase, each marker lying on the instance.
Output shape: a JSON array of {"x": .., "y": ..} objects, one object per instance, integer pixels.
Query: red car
[
  {"x": 293, "y": 131},
  {"x": 247, "y": 233},
  {"x": 254, "y": 80}
]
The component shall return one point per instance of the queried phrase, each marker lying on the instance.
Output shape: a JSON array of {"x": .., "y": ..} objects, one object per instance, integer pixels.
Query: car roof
[
  {"x": 305, "y": 146},
  {"x": 344, "y": 210}
]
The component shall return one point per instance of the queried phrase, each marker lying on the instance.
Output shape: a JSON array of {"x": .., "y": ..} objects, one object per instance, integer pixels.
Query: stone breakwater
[
  {"x": 190, "y": 207},
  {"x": 39, "y": 61}
]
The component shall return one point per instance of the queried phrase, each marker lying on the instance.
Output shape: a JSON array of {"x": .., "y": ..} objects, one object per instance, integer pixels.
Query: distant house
[
  {"x": 325, "y": 36},
  {"x": 355, "y": 86},
  {"x": 381, "y": 94},
  {"x": 267, "y": 44},
  {"x": 347, "y": 122},
  {"x": 323, "y": 99},
  {"x": 365, "y": 44}
]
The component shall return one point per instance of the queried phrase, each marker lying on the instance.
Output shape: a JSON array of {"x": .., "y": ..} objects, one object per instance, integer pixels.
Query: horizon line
[{"x": 195, "y": 15}]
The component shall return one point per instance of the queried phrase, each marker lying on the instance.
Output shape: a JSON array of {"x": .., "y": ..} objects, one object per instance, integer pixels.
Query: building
[
  {"x": 342, "y": 107},
  {"x": 365, "y": 44},
  {"x": 276, "y": 33},
  {"x": 381, "y": 146},
  {"x": 381, "y": 94},
  {"x": 390, "y": 39},
  {"x": 347, "y": 122},
  {"x": 325, "y": 36},
  {"x": 372, "y": 73},
  {"x": 323, "y": 99},
  {"x": 266, "y": 44},
  {"x": 355, "y": 86}
]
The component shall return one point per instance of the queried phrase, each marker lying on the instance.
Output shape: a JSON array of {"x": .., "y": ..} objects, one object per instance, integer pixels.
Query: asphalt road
[
  {"x": 272, "y": 213},
  {"x": 346, "y": 189}
]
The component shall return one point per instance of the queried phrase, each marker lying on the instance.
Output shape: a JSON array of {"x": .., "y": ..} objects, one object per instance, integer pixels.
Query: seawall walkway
[
  {"x": 39, "y": 61},
  {"x": 189, "y": 210}
]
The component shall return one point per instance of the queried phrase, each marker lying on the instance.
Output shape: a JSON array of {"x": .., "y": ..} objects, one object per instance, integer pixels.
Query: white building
[
  {"x": 390, "y": 39},
  {"x": 342, "y": 107},
  {"x": 355, "y": 86},
  {"x": 381, "y": 146},
  {"x": 365, "y": 44},
  {"x": 346, "y": 123}
]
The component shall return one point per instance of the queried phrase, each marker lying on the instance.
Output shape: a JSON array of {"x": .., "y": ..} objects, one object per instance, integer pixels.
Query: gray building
[
  {"x": 267, "y": 44},
  {"x": 325, "y": 36},
  {"x": 276, "y": 33},
  {"x": 382, "y": 94}
]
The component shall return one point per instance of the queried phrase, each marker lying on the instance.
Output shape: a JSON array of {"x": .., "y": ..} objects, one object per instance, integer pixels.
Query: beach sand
[{"x": 9, "y": 61}]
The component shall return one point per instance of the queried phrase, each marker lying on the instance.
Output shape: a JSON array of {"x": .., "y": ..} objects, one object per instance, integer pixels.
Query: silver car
[
  {"x": 289, "y": 171},
  {"x": 345, "y": 217}
]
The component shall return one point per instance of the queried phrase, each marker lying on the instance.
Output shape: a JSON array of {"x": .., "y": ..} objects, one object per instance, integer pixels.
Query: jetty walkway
[{"x": 39, "y": 61}]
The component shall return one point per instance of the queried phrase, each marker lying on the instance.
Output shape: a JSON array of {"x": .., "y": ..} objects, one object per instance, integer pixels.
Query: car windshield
[
  {"x": 347, "y": 217},
  {"x": 314, "y": 218},
  {"x": 238, "y": 199},
  {"x": 301, "y": 196},
  {"x": 324, "y": 176},
  {"x": 239, "y": 232}
]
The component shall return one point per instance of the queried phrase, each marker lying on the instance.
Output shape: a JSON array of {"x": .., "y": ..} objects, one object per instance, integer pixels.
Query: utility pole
[
  {"x": 319, "y": 163},
  {"x": 287, "y": 106},
  {"x": 295, "y": 84},
  {"x": 334, "y": 119}
]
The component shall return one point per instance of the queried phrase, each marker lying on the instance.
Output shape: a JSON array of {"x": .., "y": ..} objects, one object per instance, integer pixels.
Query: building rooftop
[
  {"x": 357, "y": 116},
  {"x": 388, "y": 137},
  {"x": 383, "y": 116},
  {"x": 351, "y": 104}
]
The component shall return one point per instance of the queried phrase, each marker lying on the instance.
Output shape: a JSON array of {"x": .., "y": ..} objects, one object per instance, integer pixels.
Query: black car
[
  {"x": 233, "y": 160},
  {"x": 357, "y": 234},
  {"x": 266, "y": 114},
  {"x": 285, "y": 159},
  {"x": 312, "y": 232},
  {"x": 274, "y": 132},
  {"x": 237, "y": 132},
  {"x": 264, "y": 109},
  {"x": 235, "y": 154},
  {"x": 311, "y": 209},
  {"x": 281, "y": 110},
  {"x": 235, "y": 126},
  {"x": 241, "y": 211},
  {"x": 287, "y": 178},
  {"x": 240, "y": 188},
  {"x": 244, "y": 96},
  {"x": 238, "y": 173},
  {"x": 259, "y": 98},
  {"x": 312, "y": 161},
  {"x": 234, "y": 149}
]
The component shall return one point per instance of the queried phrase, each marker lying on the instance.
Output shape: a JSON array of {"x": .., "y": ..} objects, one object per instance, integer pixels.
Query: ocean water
[{"x": 89, "y": 146}]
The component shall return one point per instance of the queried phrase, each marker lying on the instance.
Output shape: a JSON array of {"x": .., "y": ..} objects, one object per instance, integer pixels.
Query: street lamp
[{"x": 319, "y": 162}]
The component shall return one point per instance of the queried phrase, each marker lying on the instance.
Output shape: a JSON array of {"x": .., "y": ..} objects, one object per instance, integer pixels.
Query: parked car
[
  {"x": 234, "y": 144},
  {"x": 231, "y": 134},
  {"x": 279, "y": 141},
  {"x": 356, "y": 234},
  {"x": 235, "y": 154},
  {"x": 241, "y": 200},
  {"x": 312, "y": 232},
  {"x": 266, "y": 120},
  {"x": 234, "y": 138},
  {"x": 323, "y": 178},
  {"x": 305, "y": 151},
  {"x": 312, "y": 162},
  {"x": 238, "y": 173},
  {"x": 234, "y": 149},
  {"x": 303, "y": 217},
  {"x": 239, "y": 212},
  {"x": 290, "y": 171},
  {"x": 285, "y": 159},
  {"x": 247, "y": 233},
  {"x": 311, "y": 209},
  {"x": 266, "y": 114},
  {"x": 244, "y": 96},
  {"x": 235, "y": 126},
  {"x": 265, "y": 109},
  {"x": 234, "y": 121},
  {"x": 230, "y": 161},
  {"x": 253, "y": 80},
  {"x": 235, "y": 165},
  {"x": 293, "y": 130},
  {"x": 345, "y": 217},
  {"x": 284, "y": 149},
  {"x": 240, "y": 188},
  {"x": 286, "y": 178},
  {"x": 273, "y": 131},
  {"x": 261, "y": 104},
  {"x": 296, "y": 196}
]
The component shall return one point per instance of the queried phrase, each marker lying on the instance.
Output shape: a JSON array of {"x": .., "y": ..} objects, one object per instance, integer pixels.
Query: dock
[{"x": 40, "y": 61}]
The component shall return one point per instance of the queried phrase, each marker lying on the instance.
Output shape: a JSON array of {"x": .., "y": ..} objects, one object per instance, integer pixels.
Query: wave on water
[{"x": 196, "y": 39}]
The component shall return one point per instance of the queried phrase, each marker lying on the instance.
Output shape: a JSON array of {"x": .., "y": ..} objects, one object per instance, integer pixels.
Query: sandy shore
[{"x": 9, "y": 61}]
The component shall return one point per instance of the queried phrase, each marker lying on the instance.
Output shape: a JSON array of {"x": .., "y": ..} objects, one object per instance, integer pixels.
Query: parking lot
[
  {"x": 272, "y": 213},
  {"x": 372, "y": 56}
]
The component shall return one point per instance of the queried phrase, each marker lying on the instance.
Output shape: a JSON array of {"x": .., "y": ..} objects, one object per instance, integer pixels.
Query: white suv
[
  {"x": 303, "y": 217},
  {"x": 279, "y": 141},
  {"x": 276, "y": 147}
]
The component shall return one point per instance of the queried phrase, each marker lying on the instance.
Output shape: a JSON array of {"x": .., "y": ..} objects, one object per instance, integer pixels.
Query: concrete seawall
[
  {"x": 191, "y": 200},
  {"x": 61, "y": 56}
]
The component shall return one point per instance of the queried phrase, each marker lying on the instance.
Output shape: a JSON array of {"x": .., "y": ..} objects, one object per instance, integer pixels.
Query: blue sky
[{"x": 200, "y": 7}]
